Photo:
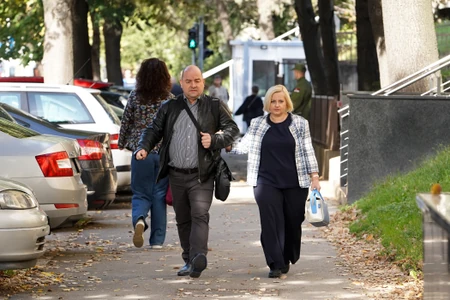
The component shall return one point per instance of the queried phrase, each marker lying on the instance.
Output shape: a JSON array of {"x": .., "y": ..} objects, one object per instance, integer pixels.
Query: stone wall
[{"x": 391, "y": 135}]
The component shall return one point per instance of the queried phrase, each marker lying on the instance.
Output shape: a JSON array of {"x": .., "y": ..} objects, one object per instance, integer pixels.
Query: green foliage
[
  {"x": 151, "y": 28},
  {"x": 390, "y": 212},
  {"x": 7, "y": 273},
  {"x": 23, "y": 21}
]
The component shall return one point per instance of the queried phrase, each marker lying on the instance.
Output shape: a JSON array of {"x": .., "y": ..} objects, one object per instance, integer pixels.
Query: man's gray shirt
[{"x": 183, "y": 149}]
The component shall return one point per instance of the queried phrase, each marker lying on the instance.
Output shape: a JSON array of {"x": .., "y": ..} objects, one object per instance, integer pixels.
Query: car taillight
[
  {"x": 90, "y": 150},
  {"x": 55, "y": 164},
  {"x": 66, "y": 205},
  {"x": 115, "y": 141}
]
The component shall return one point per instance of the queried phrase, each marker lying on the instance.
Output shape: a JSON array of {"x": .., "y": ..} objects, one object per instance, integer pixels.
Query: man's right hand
[{"x": 141, "y": 154}]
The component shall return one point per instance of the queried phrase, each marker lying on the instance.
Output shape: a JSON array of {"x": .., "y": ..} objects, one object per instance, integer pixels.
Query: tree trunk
[
  {"x": 81, "y": 47},
  {"x": 95, "y": 49},
  {"x": 311, "y": 43},
  {"x": 224, "y": 19},
  {"x": 265, "y": 19},
  {"x": 411, "y": 42},
  {"x": 58, "y": 48},
  {"x": 112, "y": 32},
  {"x": 329, "y": 46},
  {"x": 376, "y": 21},
  {"x": 368, "y": 72}
]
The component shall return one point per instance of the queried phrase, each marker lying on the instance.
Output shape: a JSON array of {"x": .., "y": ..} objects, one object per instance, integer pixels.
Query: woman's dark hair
[{"x": 153, "y": 81}]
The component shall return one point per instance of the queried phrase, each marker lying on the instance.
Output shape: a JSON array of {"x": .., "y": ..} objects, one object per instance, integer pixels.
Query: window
[
  {"x": 11, "y": 98},
  {"x": 108, "y": 108},
  {"x": 59, "y": 108}
]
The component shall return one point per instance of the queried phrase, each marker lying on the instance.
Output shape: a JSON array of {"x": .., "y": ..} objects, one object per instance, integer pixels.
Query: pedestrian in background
[
  {"x": 281, "y": 167},
  {"x": 302, "y": 92},
  {"x": 216, "y": 90},
  {"x": 176, "y": 88},
  {"x": 188, "y": 157},
  {"x": 152, "y": 88},
  {"x": 252, "y": 106}
]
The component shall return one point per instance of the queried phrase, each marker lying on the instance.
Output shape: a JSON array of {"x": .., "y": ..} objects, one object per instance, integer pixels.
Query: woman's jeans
[{"x": 149, "y": 196}]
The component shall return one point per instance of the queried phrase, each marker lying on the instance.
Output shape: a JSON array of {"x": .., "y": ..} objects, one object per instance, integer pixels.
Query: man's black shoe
[
  {"x": 285, "y": 270},
  {"x": 185, "y": 270},
  {"x": 198, "y": 263},
  {"x": 275, "y": 273}
]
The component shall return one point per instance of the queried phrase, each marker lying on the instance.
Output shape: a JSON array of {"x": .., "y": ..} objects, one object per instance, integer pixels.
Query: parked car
[
  {"x": 118, "y": 111},
  {"x": 75, "y": 108},
  {"x": 49, "y": 166},
  {"x": 97, "y": 167},
  {"x": 23, "y": 226},
  {"x": 115, "y": 99}
]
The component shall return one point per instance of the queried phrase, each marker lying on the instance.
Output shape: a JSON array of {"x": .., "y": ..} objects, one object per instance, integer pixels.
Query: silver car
[
  {"x": 49, "y": 166},
  {"x": 23, "y": 226}
]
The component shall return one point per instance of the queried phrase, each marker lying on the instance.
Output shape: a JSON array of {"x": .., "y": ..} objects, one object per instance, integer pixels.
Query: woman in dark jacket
[{"x": 152, "y": 88}]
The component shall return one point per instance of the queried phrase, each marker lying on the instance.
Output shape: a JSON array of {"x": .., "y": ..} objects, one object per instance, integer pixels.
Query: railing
[
  {"x": 344, "y": 113},
  {"x": 408, "y": 80}
]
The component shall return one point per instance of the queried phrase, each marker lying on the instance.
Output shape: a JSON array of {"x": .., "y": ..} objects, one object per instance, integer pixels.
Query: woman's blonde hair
[{"x": 278, "y": 89}]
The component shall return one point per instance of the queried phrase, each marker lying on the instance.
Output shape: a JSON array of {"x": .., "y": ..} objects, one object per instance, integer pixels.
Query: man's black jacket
[{"x": 163, "y": 124}]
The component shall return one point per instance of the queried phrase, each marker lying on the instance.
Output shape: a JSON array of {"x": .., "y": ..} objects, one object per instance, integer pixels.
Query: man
[
  {"x": 252, "y": 106},
  {"x": 176, "y": 88},
  {"x": 217, "y": 90},
  {"x": 301, "y": 95},
  {"x": 188, "y": 156}
]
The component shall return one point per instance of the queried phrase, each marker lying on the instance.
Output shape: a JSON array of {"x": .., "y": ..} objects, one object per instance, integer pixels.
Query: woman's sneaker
[{"x": 138, "y": 238}]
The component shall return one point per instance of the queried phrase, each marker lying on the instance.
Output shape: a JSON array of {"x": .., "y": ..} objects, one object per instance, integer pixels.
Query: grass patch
[{"x": 389, "y": 211}]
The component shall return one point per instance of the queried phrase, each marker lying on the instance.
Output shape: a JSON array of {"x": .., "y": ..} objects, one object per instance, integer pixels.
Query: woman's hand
[{"x": 315, "y": 183}]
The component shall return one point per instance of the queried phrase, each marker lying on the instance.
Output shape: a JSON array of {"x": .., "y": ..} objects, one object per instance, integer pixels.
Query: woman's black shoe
[
  {"x": 285, "y": 269},
  {"x": 275, "y": 273}
]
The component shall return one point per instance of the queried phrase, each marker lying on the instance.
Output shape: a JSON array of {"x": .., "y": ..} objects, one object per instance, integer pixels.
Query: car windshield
[
  {"x": 59, "y": 108},
  {"x": 16, "y": 130}
]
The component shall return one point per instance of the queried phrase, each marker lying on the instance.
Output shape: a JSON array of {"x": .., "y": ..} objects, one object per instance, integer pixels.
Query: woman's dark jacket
[{"x": 163, "y": 124}]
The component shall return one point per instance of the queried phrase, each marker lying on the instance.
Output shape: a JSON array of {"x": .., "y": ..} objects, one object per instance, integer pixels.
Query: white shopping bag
[{"x": 316, "y": 210}]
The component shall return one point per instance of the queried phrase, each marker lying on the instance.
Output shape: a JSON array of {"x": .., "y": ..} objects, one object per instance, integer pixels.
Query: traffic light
[
  {"x": 192, "y": 37},
  {"x": 206, "y": 52}
]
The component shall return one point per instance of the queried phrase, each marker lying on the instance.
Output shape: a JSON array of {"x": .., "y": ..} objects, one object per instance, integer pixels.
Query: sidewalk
[{"x": 100, "y": 262}]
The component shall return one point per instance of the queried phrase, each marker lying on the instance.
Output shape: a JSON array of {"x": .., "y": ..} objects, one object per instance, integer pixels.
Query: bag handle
[{"x": 312, "y": 197}]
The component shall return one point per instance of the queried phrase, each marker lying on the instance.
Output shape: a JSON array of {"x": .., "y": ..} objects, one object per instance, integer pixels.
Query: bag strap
[
  {"x": 189, "y": 112},
  {"x": 251, "y": 103},
  {"x": 215, "y": 110},
  {"x": 196, "y": 124}
]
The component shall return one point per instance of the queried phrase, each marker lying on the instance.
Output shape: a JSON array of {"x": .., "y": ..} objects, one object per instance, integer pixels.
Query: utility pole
[
  {"x": 193, "y": 56},
  {"x": 200, "y": 43}
]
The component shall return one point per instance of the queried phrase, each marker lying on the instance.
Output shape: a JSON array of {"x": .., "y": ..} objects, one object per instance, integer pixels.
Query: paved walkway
[{"x": 236, "y": 264}]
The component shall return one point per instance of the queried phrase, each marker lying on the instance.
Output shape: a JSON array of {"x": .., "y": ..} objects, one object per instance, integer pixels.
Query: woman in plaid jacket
[{"x": 281, "y": 167}]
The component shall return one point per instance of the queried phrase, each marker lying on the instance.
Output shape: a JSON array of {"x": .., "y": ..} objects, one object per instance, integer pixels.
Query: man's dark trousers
[{"x": 191, "y": 201}]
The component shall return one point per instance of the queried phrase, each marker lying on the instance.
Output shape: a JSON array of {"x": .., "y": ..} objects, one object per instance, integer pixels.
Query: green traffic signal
[
  {"x": 192, "y": 40},
  {"x": 192, "y": 44}
]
